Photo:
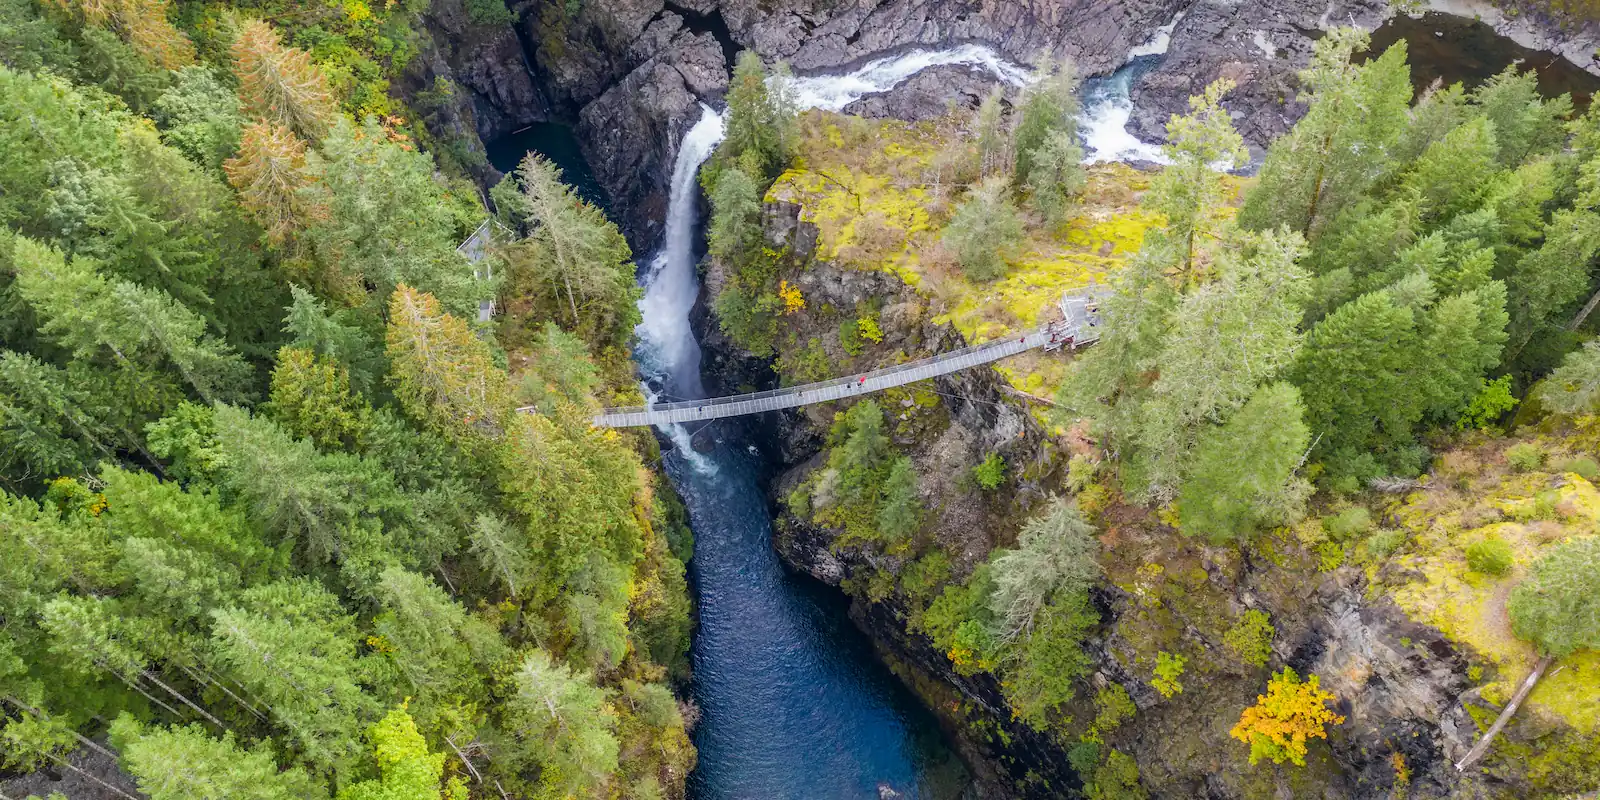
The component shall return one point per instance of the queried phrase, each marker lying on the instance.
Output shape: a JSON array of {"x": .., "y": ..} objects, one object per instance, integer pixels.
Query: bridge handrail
[{"x": 844, "y": 381}]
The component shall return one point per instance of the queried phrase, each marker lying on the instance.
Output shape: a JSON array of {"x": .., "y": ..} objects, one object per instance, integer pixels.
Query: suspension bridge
[{"x": 1079, "y": 326}]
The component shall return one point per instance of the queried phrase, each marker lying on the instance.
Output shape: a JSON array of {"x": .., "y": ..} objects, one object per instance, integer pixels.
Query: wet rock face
[
  {"x": 629, "y": 134},
  {"x": 817, "y": 34},
  {"x": 1259, "y": 45},
  {"x": 487, "y": 62}
]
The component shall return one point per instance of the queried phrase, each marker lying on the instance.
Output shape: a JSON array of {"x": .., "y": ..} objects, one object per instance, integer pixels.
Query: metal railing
[{"x": 852, "y": 385}]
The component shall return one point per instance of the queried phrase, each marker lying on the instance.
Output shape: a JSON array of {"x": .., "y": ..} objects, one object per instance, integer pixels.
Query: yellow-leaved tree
[
  {"x": 1281, "y": 721},
  {"x": 142, "y": 23}
]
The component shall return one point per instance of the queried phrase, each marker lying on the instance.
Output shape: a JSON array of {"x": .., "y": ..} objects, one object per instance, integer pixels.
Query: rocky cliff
[
  {"x": 1413, "y": 692},
  {"x": 630, "y": 74}
]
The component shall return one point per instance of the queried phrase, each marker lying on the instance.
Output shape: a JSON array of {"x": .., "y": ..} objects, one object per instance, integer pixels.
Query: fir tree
[
  {"x": 187, "y": 763},
  {"x": 985, "y": 230},
  {"x": 1048, "y": 108},
  {"x": 1055, "y": 557},
  {"x": 279, "y": 84},
  {"x": 1242, "y": 476},
  {"x": 442, "y": 374},
  {"x": 1334, "y": 154},
  {"x": 271, "y": 176}
]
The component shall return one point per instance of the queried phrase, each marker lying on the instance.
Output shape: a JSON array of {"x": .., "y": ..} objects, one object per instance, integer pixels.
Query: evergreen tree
[
  {"x": 1055, "y": 557},
  {"x": 1454, "y": 173},
  {"x": 761, "y": 120},
  {"x": 1334, "y": 154},
  {"x": 1440, "y": 110},
  {"x": 735, "y": 231},
  {"x": 1547, "y": 281},
  {"x": 899, "y": 515},
  {"x": 990, "y": 133},
  {"x": 388, "y": 220},
  {"x": 1056, "y": 176},
  {"x": 559, "y": 375},
  {"x": 273, "y": 181},
  {"x": 1463, "y": 338},
  {"x": 1051, "y": 659},
  {"x": 1354, "y": 375},
  {"x": 336, "y": 336},
  {"x": 861, "y": 453},
  {"x": 435, "y": 645},
  {"x": 1524, "y": 124},
  {"x": 1049, "y": 107},
  {"x": 1242, "y": 475},
  {"x": 186, "y": 763},
  {"x": 443, "y": 375},
  {"x": 291, "y": 645},
  {"x": 573, "y": 257},
  {"x": 1225, "y": 339},
  {"x": 331, "y": 505},
  {"x": 49, "y": 426},
  {"x": 311, "y": 398},
  {"x": 134, "y": 327},
  {"x": 1189, "y": 192},
  {"x": 562, "y": 723},
  {"x": 503, "y": 551},
  {"x": 985, "y": 230},
  {"x": 200, "y": 116}
]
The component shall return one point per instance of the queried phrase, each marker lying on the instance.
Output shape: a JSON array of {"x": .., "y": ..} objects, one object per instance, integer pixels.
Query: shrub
[
  {"x": 850, "y": 337},
  {"x": 1525, "y": 457},
  {"x": 1489, "y": 556},
  {"x": 1250, "y": 639},
  {"x": 1081, "y": 471},
  {"x": 1585, "y": 468},
  {"x": 869, "y": 330},
  {"x": 1385, "y": 542},
  {"x": 1347, "y": 524},
  {"x": 1281, "y": 721},
  {"x": 1558, "y": 606},
  {"x": 1491, "y": 403},
  {"x": 1112, "y": 706},
  {"x": 1169, "y": 667},
  {"x": 991, "y": 473}
]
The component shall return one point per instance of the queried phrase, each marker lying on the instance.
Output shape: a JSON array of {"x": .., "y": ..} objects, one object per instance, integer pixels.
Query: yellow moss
[
  {"x": 875, "y": 191},
  {"x": 1470, "y": 607}
]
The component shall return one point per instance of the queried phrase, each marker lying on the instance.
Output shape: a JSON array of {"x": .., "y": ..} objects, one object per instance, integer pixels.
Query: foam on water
[{"x": 834, "y": 92}]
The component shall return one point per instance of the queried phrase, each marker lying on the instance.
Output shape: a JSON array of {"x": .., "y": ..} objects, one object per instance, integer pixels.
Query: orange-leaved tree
[
  {"x": 1281, "y": 721},
  {"x": 271, "y": 176},
  {"x": 279, "y": 83}
]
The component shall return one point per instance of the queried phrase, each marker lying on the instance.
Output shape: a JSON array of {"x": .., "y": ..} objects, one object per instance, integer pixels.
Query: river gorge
[{"x": 794, "y": 697}]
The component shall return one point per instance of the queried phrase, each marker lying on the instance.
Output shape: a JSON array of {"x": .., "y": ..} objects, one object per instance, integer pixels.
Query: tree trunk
[
  {"x": 85, "y": 773},
  {"x": 1594, "y": 300},
  {"x": 1505, "y": 716},
  {"x": 151, "y": 677}
]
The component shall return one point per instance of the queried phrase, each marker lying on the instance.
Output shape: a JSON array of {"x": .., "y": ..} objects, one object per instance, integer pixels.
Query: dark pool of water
[
  {"x": 556, "y": 142},
  {"x": 1457, "y": 49},
  {"x": 794, "y": 703}
]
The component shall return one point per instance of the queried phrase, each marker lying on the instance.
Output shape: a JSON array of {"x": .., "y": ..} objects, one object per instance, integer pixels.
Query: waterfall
[
  {"x": 793, "y": 702},
  {"x": 668, "y": 350}
]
